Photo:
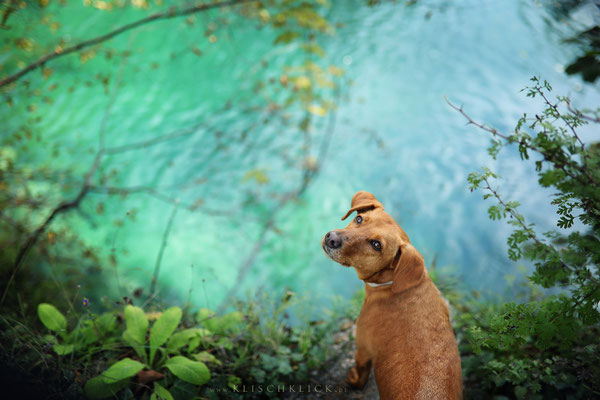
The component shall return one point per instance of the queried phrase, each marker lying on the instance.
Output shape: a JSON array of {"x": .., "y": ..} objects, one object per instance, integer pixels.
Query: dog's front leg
[{"x": 359, "y": 374}]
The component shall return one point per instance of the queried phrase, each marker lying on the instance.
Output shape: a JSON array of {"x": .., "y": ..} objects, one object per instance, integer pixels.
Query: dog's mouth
[
  {"x": 326, "y": 250},
  {"x": 332, "y": 253}
]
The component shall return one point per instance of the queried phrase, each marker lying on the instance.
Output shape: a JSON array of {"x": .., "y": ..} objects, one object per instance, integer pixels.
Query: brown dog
[{"x": 403, "y": 330}]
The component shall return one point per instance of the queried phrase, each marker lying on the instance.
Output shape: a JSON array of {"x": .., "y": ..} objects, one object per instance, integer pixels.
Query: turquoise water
[{"x": 392, "y": 134}]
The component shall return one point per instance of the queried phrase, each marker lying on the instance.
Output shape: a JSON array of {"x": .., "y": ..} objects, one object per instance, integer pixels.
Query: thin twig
[
  {"x": 66, "y": 205},
  {"x": 161, "y": 251},
  {"x": 521, "y": 221},
  {"x": 582, "y": 115},
  {"x": 559, "y": 163},
  {"x": 171, "y": 13},
  {"x": 308, "y": 174}
]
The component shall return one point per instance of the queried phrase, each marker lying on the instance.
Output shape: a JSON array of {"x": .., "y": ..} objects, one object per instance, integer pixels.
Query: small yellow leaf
[
  {"x": 302, "y": 82},
  {"x": 153, "y": 316},
  {"x": 257, "y": 175},
  {"x": 317, "y": 110},
  {"x": 46, "y": 72},
  {"x": 52, "y": 237},
  {"x": 336, "y": 70},
  {"x": 264, "y": 15},
  {"x": 314, "y": 49},
  {"x": 24, "y": 44}
]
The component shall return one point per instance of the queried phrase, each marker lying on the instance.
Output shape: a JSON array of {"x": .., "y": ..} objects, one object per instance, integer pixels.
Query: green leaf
[
  {"x": 52, "y": 318},
  {"x": 206, "y": 357},
  {"x": 189, "y": 371},
  {"x": 161, "y": 392},
  {"x": 137, "y": 323},
  {"x": 123, "y": 369},
  {"x": 96, "y": 388},
  {"x": 219, "y": 324},
  {"x": 63, "y": 349},
  {"x": 233, "y": 381},
  {"x": 128, "y": 338},
  {"x": 180, "y": 339},
  {"x": 163, "y": 328}
]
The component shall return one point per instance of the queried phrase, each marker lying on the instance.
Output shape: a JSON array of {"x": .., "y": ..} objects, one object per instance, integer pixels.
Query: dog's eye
[
  {"x": 358, "y": 219},
  {"x": 376, "y": 245}
]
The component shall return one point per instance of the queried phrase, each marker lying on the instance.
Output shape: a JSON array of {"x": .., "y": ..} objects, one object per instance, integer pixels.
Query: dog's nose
[{"x": 333, "y": 240}]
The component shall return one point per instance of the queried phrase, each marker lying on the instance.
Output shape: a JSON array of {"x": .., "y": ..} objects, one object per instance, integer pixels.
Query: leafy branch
[
  {"x": 571, "y": 167},
  {"x": 173, "y": 12}
]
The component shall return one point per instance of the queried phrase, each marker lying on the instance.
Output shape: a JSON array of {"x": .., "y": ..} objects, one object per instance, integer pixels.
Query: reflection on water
[{"x": 204, "y": 144}]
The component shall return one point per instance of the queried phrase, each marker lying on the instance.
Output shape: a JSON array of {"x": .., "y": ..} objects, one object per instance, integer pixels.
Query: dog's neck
[{"x": 381, "y": 278}]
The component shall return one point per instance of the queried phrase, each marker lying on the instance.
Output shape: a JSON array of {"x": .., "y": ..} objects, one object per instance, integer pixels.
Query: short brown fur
[{"x": 403, "y": 330}]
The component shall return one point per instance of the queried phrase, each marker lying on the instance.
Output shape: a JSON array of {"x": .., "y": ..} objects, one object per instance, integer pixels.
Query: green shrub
[{"x": 543, "y": 344}]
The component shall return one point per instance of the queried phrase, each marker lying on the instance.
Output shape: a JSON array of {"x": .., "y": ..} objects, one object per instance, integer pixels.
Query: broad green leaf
[
  {"x": 204, "y": 314},
  {"x": 128, "y": 338},
  {"x": 63, "y": 349},
  {"x": 163, "y": 328},
  {"x": 189, "y": 371},
  {"x": 137, "y": 323},
  {"x": 106, "y": 322},
  {"x": 206, "y": 357},
  {"x": 219, "y": 324},
  {"x": 194, "y": 344},
  {"x": 52, "y": 318},
  {"x": 161, "y": 393},
  {"x": 229, "y": 321},
  {"x": 225, "y": 323},
  {"x": 123, "y": 369},
  {"x": 96, "y": 388},
  {"x": 180, "y": 339},
  {"x": 233, "y": 381},
  {"x": 50, "y": 339}
]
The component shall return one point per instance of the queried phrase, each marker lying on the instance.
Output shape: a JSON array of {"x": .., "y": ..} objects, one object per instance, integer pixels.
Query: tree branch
[
  {"x": 171, "y": 13},
  {"x": 582, "y": 115},
  {"x": 308, "y": 174},
  {"x": 162, "y": 249},
  {"x": 548, "y": 157}
]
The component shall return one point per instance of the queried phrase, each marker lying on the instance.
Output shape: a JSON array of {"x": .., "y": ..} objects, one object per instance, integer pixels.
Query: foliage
[
  {"x": 544, "y": 344},
  {"x": 587, "y": 64},
  {"x": 169, "y": 354}
]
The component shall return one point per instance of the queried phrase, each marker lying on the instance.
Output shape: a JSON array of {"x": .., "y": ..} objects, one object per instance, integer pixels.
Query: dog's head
[{"x": 372, "y": 242}]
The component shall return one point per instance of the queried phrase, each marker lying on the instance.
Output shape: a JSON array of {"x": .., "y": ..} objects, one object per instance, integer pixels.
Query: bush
[{"x": 543, "y": 344}]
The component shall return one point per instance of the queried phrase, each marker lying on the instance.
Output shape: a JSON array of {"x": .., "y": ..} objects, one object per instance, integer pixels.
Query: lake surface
[{"x": 392, "y": 134}]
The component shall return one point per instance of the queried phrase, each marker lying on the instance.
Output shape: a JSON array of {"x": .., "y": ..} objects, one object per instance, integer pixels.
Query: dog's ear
[
  {"x": 409, "y": 270},
  {"x": 362, "y": 201}
]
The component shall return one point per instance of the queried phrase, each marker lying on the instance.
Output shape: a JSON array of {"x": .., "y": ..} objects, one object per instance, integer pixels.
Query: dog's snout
[{"x": 333, "y": 240}]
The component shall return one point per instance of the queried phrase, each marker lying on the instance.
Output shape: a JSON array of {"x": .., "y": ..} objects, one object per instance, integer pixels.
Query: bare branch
[
  {"x": 161, "y": 251},
  {"x": 308, "y": 174},
  {"x": 493, "y": 131},
  {"x": 548, "y": 157},
  {"x": 171, "y": 13},
  {"x": 582, "y": 115},
  {"x": 65, "y": 205}
]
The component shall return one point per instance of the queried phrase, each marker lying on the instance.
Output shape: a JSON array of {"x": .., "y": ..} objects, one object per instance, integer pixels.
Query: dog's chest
[{"x": 380, "y": 321}]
